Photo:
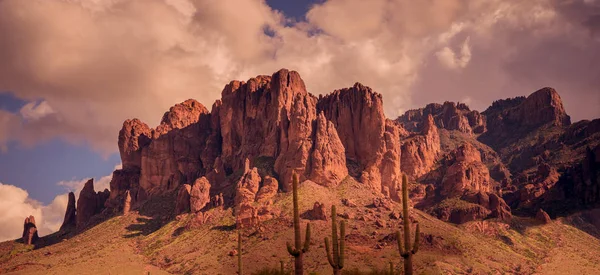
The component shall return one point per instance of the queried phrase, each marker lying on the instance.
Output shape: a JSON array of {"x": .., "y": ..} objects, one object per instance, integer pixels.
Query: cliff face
[{"x": 264, "y": 130}]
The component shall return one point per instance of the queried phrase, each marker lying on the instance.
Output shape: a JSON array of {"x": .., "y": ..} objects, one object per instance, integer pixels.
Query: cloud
[
  {"x": 93, "y": 64},
  {"x": 451, "y": 60},
  {"x": 16, "y": 205},
  {"x": 36, "y": 110}
]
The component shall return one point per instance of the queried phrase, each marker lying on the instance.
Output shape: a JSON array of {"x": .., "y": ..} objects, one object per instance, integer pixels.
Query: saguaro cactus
[
  {"x": 298, "y": 250},
  {"x": 239, "y": 247},
  {"x": 407, "y": 252},
  {"x": 336, "y": 259},
  {"x": 391, "y": 268}
]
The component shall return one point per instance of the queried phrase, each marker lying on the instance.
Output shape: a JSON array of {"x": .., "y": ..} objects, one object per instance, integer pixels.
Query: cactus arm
[
  {"x": 417, "y": 240},
  {"x": 342, "y": 244},
  {"x": 400, "y": 247},
  {"x": 328, "y": 252},
  {"x": 291, "y": 250},
  {"x": 307, "y": 239}
]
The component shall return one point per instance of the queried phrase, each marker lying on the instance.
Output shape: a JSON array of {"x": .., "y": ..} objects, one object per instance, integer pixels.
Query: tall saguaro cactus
[
  {"x": 298, "y": 250},
  {"x": 240, "y": 270},
  {"x": 336, "y": 260},
  {"x": 407, "y": 252}
]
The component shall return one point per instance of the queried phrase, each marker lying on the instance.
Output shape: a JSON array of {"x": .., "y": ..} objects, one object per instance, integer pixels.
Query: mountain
[{"x": 478, "y": 182}]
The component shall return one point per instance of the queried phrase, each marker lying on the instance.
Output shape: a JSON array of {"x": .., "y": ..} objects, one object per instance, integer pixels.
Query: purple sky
[{"x": 72, "y": 71}]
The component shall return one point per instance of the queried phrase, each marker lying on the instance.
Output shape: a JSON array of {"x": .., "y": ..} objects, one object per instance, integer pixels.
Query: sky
[{"x": 72, "y": 71}]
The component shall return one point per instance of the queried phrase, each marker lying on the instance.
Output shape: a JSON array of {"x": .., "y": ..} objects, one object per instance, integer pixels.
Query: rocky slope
[
  {"x": 151, "y": 241},
  {"x": 526, "y": 146}
]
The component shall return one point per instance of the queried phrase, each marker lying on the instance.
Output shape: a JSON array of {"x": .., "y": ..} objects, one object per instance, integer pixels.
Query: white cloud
[
  {"x": 36, "y": 110},
  {"x": 452, "y": 60},
  {"x": 97, "y": 63},
  {"x": 16, "y": 205}
]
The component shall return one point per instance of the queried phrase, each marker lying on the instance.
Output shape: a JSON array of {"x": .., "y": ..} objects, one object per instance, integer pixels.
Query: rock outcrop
[
  {"x": 420, "y": 151},
  {"x": 268, "y": 190},
  {"x": 371, "y": 142},
  {"x": 450, "y": 116},
  {"x": 182, "y": 203},
  {"x": 89, "y": 204},
  {"x": 70, "y": 219},
  {"x": 543, "y": 217},
  {"x": 30, "y": 234},
  {"x": 466, "y": 173},
  {"x": 199, "y": 195},
  {"x": 127, "y": 203},
  {"x": 318, "y": 212},
  {"x": 275, "y": 124}
]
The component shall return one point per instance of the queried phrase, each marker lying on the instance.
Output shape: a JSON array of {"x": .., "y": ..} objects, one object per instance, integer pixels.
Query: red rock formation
[
  {"x": 123, "y": 180},
  {"x": 132, "y": 138},
  {"x": 328, "y": 160},
  {"x": 127, "y": 203},
  {"x": 499, "y": 208},
  {"x": 357, "y": 114},
  {"x": 200, "y": 194},
  {"x": 461, "y": 213},
  {"x": 70, "y": 219},
  {"x": 182, "y": 204},
  {"x": 318, "y": 212},
  {"x": 467, "y": 173},
  {"x": 419, "y": 152},
  {"x": 268, "y": 190},
  {"x": 30, "y": 235},
  {"x": 543, "y": 217},
  {"x": 87, "y": 204},
  {"x": 450, "y": 116},
  {"x": 247, "y": 186},
  {"x": 172, "y": 157}
]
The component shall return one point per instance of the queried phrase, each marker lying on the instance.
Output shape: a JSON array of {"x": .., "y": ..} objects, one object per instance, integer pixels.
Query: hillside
[{"x": 132, "y": 244}]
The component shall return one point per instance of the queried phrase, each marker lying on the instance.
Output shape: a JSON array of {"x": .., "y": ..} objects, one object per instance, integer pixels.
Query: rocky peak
[
  {"x": 134, "y": 135},
  {"x": 89, "y": 204},
  {"x": 30, "y": 234},
  {"x": 180, "y": 116},
  {"x": 70, "y": 214},
  {"x": 357, "y": 114},
  {"x": 86, "y": 204},
  {"x": 450, "y": 116},
  {"x": 544, "y": 106}
]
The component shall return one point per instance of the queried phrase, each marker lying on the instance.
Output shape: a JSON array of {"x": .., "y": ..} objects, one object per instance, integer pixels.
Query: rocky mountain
[
  {"x": 201, "y": 169},
  {"x": 269, "y": 127}
]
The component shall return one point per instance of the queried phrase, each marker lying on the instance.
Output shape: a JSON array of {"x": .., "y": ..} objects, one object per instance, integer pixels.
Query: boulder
[
  {"x": 542, "y": 216},
  {"x": 199, "y": 195},
  {"x": 268, "y": 190},
  {"x": 318, "y": 212}
]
